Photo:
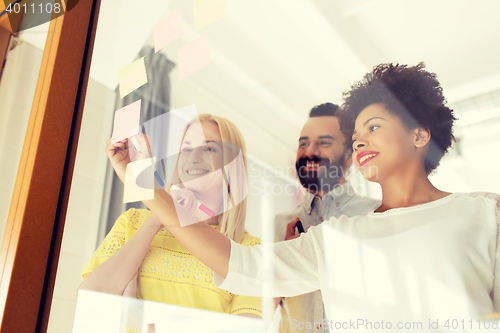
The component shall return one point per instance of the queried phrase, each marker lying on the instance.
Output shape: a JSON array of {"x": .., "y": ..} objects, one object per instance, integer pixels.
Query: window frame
[{"x": 30, "y": 248}]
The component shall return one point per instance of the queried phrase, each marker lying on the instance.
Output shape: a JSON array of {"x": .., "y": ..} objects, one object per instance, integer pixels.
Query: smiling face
[
  {"x": 321, "y": 158},
  {"x": 383, "y": 146},
  {"x": 200, "y": 159}
]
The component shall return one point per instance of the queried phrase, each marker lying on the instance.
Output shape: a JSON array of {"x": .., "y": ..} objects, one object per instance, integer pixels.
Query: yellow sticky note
[
  {"x": 132, "y": 77},
  {"x": 193, "y": 56},
  {"x": 207, "y": 12},
  {"x": 139, "y": 180}
]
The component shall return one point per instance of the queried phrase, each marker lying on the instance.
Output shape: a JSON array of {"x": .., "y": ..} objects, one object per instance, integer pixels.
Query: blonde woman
[{"x": 151, "y": 264}]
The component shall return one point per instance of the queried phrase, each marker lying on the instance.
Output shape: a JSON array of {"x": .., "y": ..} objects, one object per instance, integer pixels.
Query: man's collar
[
  {"x": 307, "y": 201},
  {"x": 340, "y": 194}
]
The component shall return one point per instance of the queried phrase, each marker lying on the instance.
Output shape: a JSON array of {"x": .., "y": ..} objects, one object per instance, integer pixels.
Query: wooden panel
[
  {"x": 11, "y": 22},
  {"x": 32, "y": 238},
  {"x": 4, "y": 44},
  {"x": 4, "y": 20}
]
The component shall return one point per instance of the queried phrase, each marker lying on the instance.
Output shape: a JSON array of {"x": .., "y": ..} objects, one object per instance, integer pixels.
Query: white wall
[{"x": 474, "y": 166}]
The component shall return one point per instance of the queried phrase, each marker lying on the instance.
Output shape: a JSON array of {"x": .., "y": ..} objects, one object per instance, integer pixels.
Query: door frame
[{"x": 30, "y": 248}]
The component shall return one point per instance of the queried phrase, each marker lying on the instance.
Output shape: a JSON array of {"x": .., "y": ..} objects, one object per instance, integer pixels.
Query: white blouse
[{"x": 435, "y": 261}]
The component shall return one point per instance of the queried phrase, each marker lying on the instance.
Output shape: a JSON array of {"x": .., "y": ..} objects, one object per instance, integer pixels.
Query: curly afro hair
[{"x": 411, "y": 93}]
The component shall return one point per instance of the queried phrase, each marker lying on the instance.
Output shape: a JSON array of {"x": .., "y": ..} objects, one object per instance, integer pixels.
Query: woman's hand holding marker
[
  {"x": 184, "y": 197},
  {"x": 139, "y": 147},
  {"x": 188, "y": 200},
  {"x": 118, "y": 156},
  {"x": 121, "y": 153}
]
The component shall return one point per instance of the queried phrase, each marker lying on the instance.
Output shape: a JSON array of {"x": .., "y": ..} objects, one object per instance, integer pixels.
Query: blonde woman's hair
[{"x": 232, "y": 221}]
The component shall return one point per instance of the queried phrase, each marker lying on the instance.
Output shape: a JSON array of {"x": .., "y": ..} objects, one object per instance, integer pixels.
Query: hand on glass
[
  {"x": 185, "y": 198},
  {"x": 122, "y": 152}
]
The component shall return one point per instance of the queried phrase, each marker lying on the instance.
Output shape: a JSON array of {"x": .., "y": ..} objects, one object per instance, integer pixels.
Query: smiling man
[{"x": 323, "y": 157}]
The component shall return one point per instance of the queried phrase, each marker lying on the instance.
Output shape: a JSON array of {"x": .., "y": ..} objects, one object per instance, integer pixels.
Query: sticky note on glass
[
  {"x": 126, "y": 122},
  {"x": 139, "y": 180},
  {"x": 206, "y": 12},
  {"x": 132, "y": 77},
  {"x": 193, "y": 56},
  {"x": 168, "y": 29}
]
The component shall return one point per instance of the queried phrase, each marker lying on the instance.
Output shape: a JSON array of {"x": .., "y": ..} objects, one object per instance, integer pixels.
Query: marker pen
[
  {"x": 200, "y": 206},
  {"x": 158, "y": 179},
  {"x": 136, "y": 143},
  {"x": 299, "y": 227}
]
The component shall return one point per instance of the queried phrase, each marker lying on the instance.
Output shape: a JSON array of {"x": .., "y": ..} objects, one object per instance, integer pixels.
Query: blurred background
[{"x": 271, "y": 61}]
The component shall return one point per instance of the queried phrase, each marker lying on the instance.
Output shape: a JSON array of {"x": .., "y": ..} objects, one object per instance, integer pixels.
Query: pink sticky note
[
  {"x": 193, "y": 56},
  {"x": 126, "y": 123},
  {"x": 168, "y": 29}
]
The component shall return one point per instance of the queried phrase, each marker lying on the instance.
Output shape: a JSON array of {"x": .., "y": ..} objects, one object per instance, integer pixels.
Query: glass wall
[
  {"x": 125, "y": 35},
  {"x": 263, "y": 65}
]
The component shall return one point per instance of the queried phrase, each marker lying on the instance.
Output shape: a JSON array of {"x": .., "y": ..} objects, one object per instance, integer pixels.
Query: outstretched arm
[
  {"x": 295, "y": 262},
  {"x": 206, "y": 243}
]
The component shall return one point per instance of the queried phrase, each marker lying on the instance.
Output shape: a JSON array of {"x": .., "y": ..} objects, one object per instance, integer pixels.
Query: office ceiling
[{"x": 272, "y": 60}]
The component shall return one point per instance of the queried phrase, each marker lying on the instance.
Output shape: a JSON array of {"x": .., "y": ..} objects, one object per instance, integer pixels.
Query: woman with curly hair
[{"x": 424, "y": 257}]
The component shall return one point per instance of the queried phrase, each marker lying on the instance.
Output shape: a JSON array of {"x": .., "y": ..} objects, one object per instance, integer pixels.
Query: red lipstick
[{"x": 366, "y": 159}]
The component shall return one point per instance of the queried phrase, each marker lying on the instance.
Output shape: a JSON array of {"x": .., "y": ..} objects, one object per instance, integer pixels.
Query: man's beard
[{"x": 325, "y": 178}]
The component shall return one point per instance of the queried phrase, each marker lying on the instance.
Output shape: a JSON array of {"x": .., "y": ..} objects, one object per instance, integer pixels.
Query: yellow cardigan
[{"x": 169, "y": 273}]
